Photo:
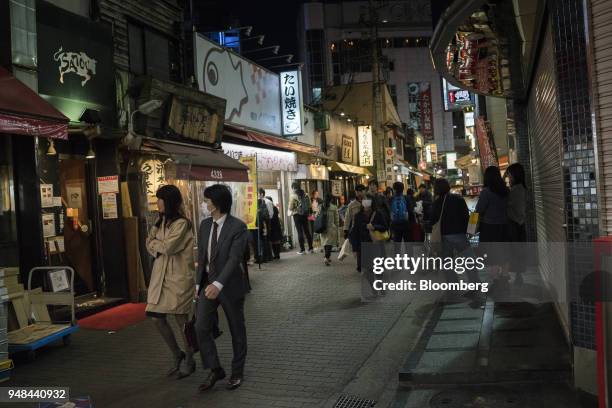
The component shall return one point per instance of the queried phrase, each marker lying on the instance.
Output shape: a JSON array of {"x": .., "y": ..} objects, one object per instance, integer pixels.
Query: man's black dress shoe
[{"x": 212, "y": 378}]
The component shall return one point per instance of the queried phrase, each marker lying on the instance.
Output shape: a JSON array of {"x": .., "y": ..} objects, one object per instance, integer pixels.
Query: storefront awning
[
  {"x": 24, "y": 112},
  {"x": 271, "y": 141},
  {"x": 200, "y": 163},
  {"x": 349, "y": 168}
]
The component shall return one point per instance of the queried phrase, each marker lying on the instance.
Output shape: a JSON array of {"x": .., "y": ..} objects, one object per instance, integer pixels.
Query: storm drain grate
[
  {"x": 474, "y": 398},
  {"x": 351, "y": 401}
]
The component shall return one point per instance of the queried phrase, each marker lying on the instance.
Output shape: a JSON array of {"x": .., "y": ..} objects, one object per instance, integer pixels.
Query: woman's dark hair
[
  {"x": 262, "y": 192},
  {"x": 328, "y": 199},
  {"x": 389, "y": 191},
  {"x": 221, "y": 197},
  {"x": 494, "y": 181},
  {"x": 295, "y": 185},
  {"x": 270, "y": 198},
  {"x": 398, "y": 187},
  {"x": 301, "y": 192},
  {"x": 173, "y": 202},
  {"x": 312, "y": 193},
  {"x": 441, "y": 187},
  {"x": 517, "y": 171}
]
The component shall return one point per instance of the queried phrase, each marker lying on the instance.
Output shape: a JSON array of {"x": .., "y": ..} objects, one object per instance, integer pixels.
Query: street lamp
[
  {"x": 274, "y": 49},
  {"x": 288, "y": 58}
]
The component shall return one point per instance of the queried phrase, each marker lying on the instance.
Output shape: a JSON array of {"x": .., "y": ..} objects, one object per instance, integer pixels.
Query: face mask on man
[{"x": 367, "y": 203}]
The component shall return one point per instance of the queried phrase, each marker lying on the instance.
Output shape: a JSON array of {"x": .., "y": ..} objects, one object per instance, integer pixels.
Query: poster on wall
[
  {"x": 46, "y": 195},
  {"x": 252, "y": 92},
  {"x": 366, "y": 150},
  {"x": 108, "y": 184},
  {"x": 109, "y": 206},
  {"x": 74, "y": 196},
  {"x": 336, "y": 186},
  {"x": 248, "y": 206},
  {"x": 486, "y": 144},
  {"x": 291, "y": 102},
  {"x": 48, "y": 225}
]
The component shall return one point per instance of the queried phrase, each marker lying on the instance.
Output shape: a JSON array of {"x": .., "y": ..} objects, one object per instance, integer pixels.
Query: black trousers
[
  {"x": 328, "y": 249},
  {"x": 401, "y": 232},
  {"x": 205, "y": 320},
  {"x": 302, "y": 227}
]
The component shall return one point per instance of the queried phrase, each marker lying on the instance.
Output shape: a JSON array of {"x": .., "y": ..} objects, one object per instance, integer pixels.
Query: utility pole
[{"x": 378, "y": 133}]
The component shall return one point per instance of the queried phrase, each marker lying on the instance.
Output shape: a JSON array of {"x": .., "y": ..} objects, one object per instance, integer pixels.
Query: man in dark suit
[{"x": 220, "y": 281}]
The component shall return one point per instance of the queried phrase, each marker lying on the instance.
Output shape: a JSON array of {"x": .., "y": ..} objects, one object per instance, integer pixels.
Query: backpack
[
  {"x": 399, "y": 209},
  {"x": 320, "y": 223},
  {"x": 304, "y": 205}
]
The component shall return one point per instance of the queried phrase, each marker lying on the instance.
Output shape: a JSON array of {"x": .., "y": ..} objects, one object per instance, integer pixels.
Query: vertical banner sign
[
  {"x": 248, "y": 212},
  {"x": 426, "y": 111},
  {"x": 347, "y": 149},
  {"x": 389, "y": 163},
  {"x": 366, "y": 151},
  {"x": 336, "y": 188},
  {"x": 420, "y": 109},
  {"x": 291, "y": 103},
  {"x": 486, "y": 144}
]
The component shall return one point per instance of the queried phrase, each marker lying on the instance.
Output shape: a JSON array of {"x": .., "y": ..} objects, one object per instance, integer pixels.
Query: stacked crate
[{"x": 9, "y": 280}]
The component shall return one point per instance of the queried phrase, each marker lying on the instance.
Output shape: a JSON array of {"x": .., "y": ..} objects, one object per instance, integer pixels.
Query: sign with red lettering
[{"x": 486, "y": 144}]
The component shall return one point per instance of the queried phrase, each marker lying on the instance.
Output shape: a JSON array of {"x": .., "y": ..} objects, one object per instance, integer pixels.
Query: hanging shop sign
[
  {"x": 451, "y": 158},
  {"x": 468, "y": 119},
  {"x": 291, "y": 102},
  {"x": 366, "y": 150},
  {"x": 420, "y": 109},
  {"x": 347, "y": 149},
  {"x": 486, "y": 144},
  {"x": 251, "y": 91},
  {"x": 266, "y": 159},
  {"x": 195, "y": 121},
  {"x": 153, "y": 177},
  {"x": 75, "y": 63},
  {"x": 247, "y": 208},
  {"x": 455, "y": 98},
  {"x": 336, "y": 188}
]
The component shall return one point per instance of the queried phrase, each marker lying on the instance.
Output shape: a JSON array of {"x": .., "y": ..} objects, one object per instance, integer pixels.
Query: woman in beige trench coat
[{"x": 172, "y": 287}]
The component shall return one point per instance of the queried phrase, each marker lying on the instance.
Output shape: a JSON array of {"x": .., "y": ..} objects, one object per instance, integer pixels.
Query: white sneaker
[{"x": 300, "y": 252}]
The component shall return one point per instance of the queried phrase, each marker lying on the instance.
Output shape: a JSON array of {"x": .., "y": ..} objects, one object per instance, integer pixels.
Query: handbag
[
  {"x": 190, "y": 334},
  {"x": 436, "y": 229},
  {"x": 344, "y": 250},
  {"x": 379, "y": 236},
  {"x": 472, "y": 228}
]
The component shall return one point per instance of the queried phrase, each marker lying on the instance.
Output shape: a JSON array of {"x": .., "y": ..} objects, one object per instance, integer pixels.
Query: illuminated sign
[
  {"x": 291, "y": 102},
  {"x": 366, "y": 150}
]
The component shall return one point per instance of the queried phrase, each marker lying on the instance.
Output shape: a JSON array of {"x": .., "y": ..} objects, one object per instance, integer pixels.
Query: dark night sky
[{"x": 275, "y": 19}]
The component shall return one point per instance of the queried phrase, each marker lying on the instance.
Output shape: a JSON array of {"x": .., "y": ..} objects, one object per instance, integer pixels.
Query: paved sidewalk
[{"x": 308, "y": 335}]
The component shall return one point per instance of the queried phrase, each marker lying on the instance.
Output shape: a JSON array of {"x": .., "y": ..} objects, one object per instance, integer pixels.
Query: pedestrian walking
[
  {"x": 276, "y": 230},
  {"x": 172, "y": 284},
  {"x": 450, "y": 210},
  {"x": 426, "y": 199},
  {"x": 370, "y": 223},
  {"x": 299, "y": 209},
  {"x": 353, "y": 208},
  {"x": 402, "y": 215},
  {"x": 265, "y": 209},
  {"x": 329, "y": 238},
  {"x": 378, "y": 197},
  {"x": 492, "y": 209},
  {"x": 517, "y": 202},
  {"x": 221, "y": 281}
]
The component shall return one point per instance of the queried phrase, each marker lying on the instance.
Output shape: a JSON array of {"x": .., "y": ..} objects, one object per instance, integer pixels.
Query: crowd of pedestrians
[{"x": 370, "y": 218}]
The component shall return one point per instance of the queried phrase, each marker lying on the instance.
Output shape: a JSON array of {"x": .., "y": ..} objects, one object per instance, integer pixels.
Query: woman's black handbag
[
  {"x": 320, "y": 223},
  {"x": 190, "y": 334}
]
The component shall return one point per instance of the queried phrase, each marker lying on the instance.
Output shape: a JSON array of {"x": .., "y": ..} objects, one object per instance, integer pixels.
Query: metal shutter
[
  {"x": 601, "y": 15},
  {"x": 547, "y": 174}
]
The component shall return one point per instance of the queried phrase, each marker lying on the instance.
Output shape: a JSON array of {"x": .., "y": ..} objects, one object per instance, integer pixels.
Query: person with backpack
[
  {"x": 402, "y": 214},
  {"x": 299, "y": 209},
  {"x": 326, "y": 224}
]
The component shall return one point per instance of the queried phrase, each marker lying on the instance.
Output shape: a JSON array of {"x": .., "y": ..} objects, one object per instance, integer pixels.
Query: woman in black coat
[{"x": 276, "y": 231}]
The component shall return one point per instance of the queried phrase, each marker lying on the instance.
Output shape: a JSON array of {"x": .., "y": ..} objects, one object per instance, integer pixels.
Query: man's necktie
[{"x": 213, "y": 247}]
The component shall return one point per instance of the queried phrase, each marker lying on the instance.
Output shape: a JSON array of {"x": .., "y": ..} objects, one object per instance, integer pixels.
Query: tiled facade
[{"x": 579, "y": 171}]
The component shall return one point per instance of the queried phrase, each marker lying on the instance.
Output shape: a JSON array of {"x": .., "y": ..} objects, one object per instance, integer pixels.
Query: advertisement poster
[
  {"x": 252, "y": 92},
  {"x": 46, "y": 195},
  {"x": 48, "y": 224},
  {"x": 75, "y": 196},
  {"x": 248, "y": 212},
  {"x": 486, "y": 144},
  {"x": 108, "y": 184},
  {"x": 109, "y": 206}
]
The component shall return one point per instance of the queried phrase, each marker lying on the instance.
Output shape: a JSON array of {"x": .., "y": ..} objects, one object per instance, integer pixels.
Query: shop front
[{"x": 178, "y": 143}]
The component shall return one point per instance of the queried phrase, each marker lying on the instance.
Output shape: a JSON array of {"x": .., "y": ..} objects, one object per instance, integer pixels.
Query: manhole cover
[
  {"x": 498, "y": 398},
  {"x": 351, "y": 401}
]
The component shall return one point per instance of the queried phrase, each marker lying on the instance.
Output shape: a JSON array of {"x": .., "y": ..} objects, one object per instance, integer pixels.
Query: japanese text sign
[{"x": 291, "y": 102}]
